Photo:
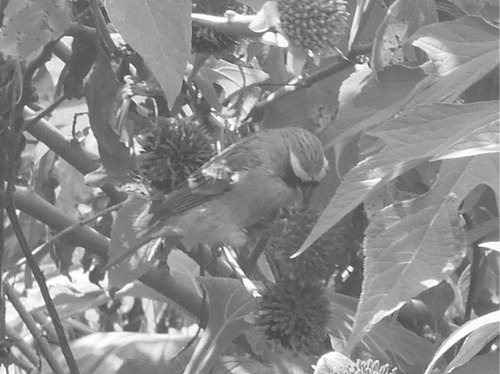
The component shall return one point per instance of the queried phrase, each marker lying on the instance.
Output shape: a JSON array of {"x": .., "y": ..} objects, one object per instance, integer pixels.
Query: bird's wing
[{"x": 214, "y": 178}]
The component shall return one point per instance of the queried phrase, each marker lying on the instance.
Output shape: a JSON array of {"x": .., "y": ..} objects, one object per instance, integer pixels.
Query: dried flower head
[
  {"x": 174, "y": 150},
  {"x": 317, "y": 25},
  {"x": 329, "y": 254},
  {"x": 294, "y": 316}
]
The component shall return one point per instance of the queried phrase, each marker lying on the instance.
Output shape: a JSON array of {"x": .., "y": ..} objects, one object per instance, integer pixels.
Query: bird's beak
[{"x": 307, "y": 189}]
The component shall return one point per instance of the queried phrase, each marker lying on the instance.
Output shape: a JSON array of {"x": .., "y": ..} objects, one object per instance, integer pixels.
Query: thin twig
[
  {"x": 45, "y": 112},
  {"x": 42, "y": 284},
  {"x": 247, "y": 283},
  {"x": 23, "y": 346},
  {"x": 3, "y": 178},
  {"x": 30, "y": 323}
]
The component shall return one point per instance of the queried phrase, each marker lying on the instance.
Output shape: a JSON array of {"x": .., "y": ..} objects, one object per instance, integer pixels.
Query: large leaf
[
  {"x": 484, "y": 364},
  {"x": 229, "y": 306},
  {"x": 412, "y": 246},
  {"x": 462, "y": 52},
  {"x": 487, "y": 321},
  {"x": 28, "y": 25},
  {"x": 160, "y": 31},
  {"x": 388, "y": 341},
  {"x": 404, "y": 17},
  {"x": 409, "y": 140},
  {"x": 366, "y": 99},
  {"x": 473, "y": 344}
]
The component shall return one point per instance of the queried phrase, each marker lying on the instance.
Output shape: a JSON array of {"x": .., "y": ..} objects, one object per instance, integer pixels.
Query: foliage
[{"x": 105, "y": 106}]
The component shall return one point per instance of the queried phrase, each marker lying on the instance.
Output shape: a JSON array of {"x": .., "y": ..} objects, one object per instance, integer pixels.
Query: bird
[{"x": 247, "y": 182}]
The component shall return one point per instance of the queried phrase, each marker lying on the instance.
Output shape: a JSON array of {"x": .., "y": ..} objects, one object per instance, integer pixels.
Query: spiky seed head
[
  {"x": 294, "y": 316},
  {"x": 325, "y": 256},
  {"x": 317, "y": 25},
  {"x": 174, "y": 150}
]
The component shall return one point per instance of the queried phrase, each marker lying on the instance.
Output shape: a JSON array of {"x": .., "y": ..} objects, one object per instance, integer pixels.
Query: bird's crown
[{"x": 307, "y": 157}]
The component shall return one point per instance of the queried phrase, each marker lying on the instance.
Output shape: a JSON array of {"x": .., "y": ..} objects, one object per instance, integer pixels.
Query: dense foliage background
[{"x": 107, "y": 105}]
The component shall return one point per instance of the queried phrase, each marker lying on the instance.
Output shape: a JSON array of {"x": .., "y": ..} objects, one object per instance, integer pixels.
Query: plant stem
[
  {"x": 42, "y": 284},
  {"x": 39, "y": 337}
]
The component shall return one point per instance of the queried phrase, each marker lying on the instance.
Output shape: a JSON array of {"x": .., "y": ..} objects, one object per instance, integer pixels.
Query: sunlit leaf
[
  {"x": 462, "y": 52},
  {"x": 409, "y": 140},
  {"x": 412, "y": 246}
]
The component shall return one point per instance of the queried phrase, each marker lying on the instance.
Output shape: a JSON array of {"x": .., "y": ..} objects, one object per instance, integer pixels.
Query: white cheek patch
[{"x": 298, "y": 169}]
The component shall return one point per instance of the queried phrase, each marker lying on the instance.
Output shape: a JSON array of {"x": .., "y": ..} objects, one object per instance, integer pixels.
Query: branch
[
  {"x": 231, "y": 23},
  {"x": 30, "y": 203},
  {"x": 42, "y": 284},
  {"x": 37, "y": 334},
  {"x": 24, "y": 347},
  {"x": 66, "y": 149}
]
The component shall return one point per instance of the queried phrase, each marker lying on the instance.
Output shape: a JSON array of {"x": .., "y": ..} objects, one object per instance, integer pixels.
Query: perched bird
[{"x": 248, "y": 181}]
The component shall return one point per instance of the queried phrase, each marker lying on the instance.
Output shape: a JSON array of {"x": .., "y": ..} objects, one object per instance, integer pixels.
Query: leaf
[
  {"x": 403, "y": 257},
  {"x": 160, "y": 31},
  {"x": 367, "y": 99},
  {"x": 129, "y": 353},
  {"x": 485, "y": 321},
  {"x": 494, "y": 246},
  {"x": 409, "y": 140},
  {"x": 229, "y": 77},
  {"x": 28, "y": 25},
  {"x": 404, "y": 17},
  {"x": 388, "y": 341},
  {"x": 484, "y": 364},
  {"x": 130, "y": 256},
  {"x": 473, "y": 344},
  {"x": 413, "y": 246},
  {"x": 462, "y": 52},
  {"x": 229, "y": 305},
  {"x": 437, "y": 300},
  {"x": 101, "y": 91},
  {"x": 483, "y": 139}
]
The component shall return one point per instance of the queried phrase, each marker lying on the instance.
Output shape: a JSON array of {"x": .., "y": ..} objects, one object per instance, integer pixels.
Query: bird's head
[{"x": 307, "y": 159}]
